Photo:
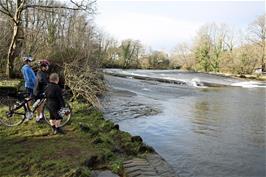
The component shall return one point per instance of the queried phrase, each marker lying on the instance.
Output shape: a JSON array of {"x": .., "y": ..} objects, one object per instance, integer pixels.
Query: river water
[{"x": 200, "y": 131}]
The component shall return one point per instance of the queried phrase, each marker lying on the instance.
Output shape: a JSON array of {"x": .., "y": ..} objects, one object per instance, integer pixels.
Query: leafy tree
[
  {"x": 203, "y": 53},
  {"x": 212, "y": 41},
  {"x": 129, "y": 52}
]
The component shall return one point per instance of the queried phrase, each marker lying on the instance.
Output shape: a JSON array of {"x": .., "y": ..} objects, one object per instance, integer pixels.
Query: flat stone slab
[
  {"x": 152, "y": 165},
  {"x": 103, "y": 174}
]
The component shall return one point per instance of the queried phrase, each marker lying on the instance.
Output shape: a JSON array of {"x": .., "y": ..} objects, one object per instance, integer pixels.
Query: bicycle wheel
[
  {"x": 65, "y": 119},
  {"x": 11, "y": 114}
]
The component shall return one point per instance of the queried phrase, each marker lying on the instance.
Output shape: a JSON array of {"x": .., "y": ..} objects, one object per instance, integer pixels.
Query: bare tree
[
  {"x": 5, "y": 35},
  {"x": 257, "y": 31},
  {"x": 182, "y": 57},
  {"x": 14, "y": 9},
  {"x": 158, "y": 59}
]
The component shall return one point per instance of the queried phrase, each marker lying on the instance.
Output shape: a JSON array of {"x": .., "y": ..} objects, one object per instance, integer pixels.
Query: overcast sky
[{"x": 164, "y": 24}]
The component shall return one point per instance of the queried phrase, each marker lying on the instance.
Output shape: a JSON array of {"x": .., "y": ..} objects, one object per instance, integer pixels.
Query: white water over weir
[{"x": 202, "y": 80}]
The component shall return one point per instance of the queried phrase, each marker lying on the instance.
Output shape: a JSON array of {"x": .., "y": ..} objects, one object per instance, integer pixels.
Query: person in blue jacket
[{"x": 28, "y": 75}]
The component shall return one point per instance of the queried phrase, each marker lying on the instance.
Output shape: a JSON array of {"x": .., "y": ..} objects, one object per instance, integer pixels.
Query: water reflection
[
  {"x": 201, "y": 121},
  {"x": 237, "y": 118}
]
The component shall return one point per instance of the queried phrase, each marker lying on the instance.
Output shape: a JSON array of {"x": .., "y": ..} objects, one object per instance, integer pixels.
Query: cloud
[{"x": 154, "y": 30}]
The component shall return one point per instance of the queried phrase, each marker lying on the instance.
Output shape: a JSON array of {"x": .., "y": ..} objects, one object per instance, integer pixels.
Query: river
[{"x": 200, "y": 131}]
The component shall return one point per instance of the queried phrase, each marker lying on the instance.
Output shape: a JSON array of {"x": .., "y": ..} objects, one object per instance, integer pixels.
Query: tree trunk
[
  {"x": 13, "y": 51},
  {"x": 17, "y": 39},
  {"x": 262, "y": 58}
]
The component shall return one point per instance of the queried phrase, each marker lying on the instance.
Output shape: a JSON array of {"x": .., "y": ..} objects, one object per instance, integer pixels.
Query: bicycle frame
[
  {"x": 42, "y": 100},
  {"x": 26, "y": 106}
]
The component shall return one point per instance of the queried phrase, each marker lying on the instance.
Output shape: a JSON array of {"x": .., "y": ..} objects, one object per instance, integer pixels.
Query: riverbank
[
  {"x": 90, "y": 143},
  {"x": 91, "y": 146}
]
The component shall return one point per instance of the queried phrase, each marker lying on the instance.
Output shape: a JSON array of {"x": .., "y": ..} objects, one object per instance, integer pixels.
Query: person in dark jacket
[
  {"x": 55, "y": 102},
  {"x": 40, "y": 86}
]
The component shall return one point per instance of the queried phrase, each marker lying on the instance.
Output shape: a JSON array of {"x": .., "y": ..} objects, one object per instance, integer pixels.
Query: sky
[{"x": 161, "y": 25}]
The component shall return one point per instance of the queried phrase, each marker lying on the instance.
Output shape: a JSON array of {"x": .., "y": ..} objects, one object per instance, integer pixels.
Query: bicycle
[
  {"x": 14, "y": 112},
  {"x": 65, "y": 114}
]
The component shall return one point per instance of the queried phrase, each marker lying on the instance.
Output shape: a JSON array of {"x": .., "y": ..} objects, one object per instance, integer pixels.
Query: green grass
[
  {"x": 10, "y": 83},
  {"x": 9, "y": 86},
  {"x": 32, "y": 150}
]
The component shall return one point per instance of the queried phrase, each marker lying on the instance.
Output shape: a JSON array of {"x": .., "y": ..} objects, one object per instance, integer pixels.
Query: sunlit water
[{"x": 200, "y": 131}]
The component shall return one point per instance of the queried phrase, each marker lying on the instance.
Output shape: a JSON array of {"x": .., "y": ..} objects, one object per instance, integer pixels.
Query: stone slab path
[
  {"x": 151, "y": 166},
  {"x": 103, "y": 174}
]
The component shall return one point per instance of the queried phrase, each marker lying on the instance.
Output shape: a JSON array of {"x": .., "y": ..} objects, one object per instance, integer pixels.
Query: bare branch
[
  {"x": 4, "y": 8},
  {"x": 77, "y": 7}
]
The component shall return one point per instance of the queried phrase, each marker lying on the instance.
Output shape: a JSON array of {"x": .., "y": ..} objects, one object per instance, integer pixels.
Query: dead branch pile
[{"x": 84, "y": 82}]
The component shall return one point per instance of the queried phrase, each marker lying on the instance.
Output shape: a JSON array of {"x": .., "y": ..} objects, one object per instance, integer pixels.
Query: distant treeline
[
  {"x": 64, "y": 31},
  {"x": 216, "y": 48}
]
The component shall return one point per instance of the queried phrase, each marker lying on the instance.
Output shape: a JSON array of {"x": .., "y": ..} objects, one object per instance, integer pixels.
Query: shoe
[
  {"x": 60, "y": 130},
  {"x": 54, "y": 130},
  {"x": 41, "y": 120}
]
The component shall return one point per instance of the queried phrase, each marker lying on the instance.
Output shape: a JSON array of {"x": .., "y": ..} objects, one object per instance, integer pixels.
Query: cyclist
[
  {"x": 28, "y": 75},
  {"x": 40, "y": 86}
]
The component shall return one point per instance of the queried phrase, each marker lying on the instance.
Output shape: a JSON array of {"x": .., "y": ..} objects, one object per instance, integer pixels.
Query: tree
[
  {"x": 245, "y": 60},
  {"x": 257, "y": 35},
  {"x": 212, "y": 41},
  {"x": 5, "y": 35},
  {"x": 158, "y": 59},
  {"x": 130, "y": 51},
  {"x": 109, "y": 51},
  {"x": 202, "y": 51},
  {"x": 15, "y": 9},
  {"x": 182, "y": 57}
]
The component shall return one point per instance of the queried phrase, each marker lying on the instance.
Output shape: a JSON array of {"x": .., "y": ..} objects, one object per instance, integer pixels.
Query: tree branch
[
  {"x": 5, "y": 9},
  {"x": 77, "y": 7}
]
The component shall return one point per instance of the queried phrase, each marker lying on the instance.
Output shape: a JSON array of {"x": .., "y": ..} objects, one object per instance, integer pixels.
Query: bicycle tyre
[
  {"x": 10, "y": 114},
  {"x": 65, "y": 119}
]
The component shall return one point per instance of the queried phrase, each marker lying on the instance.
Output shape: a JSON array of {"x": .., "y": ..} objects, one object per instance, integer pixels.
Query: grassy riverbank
[
  {"x": 90, "y": 143},
  {"x": 8, "y": 86}
]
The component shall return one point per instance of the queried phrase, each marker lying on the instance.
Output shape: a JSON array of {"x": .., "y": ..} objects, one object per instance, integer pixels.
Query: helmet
[
  {"x": 44, "y": 63},
  {"x": 27, "y": 58}
]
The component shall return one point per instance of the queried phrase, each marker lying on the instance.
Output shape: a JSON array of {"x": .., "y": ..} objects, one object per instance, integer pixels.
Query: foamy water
[
  {"x": 192, "y": 79},
  {"x": 250, "y": 84}
]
